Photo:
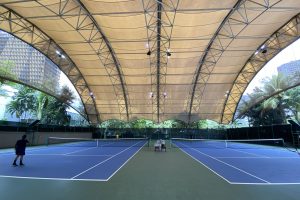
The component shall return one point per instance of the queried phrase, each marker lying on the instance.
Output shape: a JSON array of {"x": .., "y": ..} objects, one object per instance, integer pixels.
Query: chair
[
  {"x": 160, "y": 145},
  {"x": 157, "y": 145},
  {"x": 163, "y": 145}
]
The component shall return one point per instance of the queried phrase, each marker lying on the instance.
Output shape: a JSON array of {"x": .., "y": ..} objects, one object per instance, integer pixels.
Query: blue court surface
[
  {"x": 246, "y": 163},
  {"x": 71, "y": 162}
]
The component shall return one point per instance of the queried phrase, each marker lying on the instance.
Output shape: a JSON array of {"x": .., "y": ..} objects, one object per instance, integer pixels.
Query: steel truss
[
  {"x": 159, "y": 25},
  {"x": 106, "y": 54},
  {"x": 279, "y": 40},
  {"x": 88, "y": 29},
  {"x": 16, "y": 25},
  {"x": 84, "y": 24},
  {"x": 221, "y": 40}
]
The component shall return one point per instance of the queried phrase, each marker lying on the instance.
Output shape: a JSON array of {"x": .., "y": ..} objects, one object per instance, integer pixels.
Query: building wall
[
  {"x": 30, "y": 66},
  {"x": 289, "y": 69},
  {"x": 8, "y": 139}
]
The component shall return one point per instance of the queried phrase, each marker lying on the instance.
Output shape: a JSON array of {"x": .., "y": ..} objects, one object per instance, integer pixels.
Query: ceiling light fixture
[
  {"x": 165, "y": 94},
  {"x": 263, "y": 49},
  {"x": 151, "y": 94},
  {"x": 60, "y": 54}
]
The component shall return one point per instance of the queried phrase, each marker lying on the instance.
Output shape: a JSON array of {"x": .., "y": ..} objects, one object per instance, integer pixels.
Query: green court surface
[{"x": 149, "y": 175}]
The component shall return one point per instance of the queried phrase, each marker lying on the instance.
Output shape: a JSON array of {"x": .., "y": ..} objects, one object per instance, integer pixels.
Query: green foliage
[
  {"x": 273, "y": 110},
  {"x": 14, "y": 108},
  {"x": 42, "y": 103},
  {"x": 6, "y": 70},
  {"x": 142, "y": 123},
  {"x": 202, "y": 124},
  {"x": 23, "y": 102},
  {"x": 55, "y": 111},
  {"x": 205, "y": 124},
  {"x": 294, "y": 102},
  {"x": 173, "y": 123},
  {"x": 44, "y": 107},
  {"x": 114, "y": 123}
]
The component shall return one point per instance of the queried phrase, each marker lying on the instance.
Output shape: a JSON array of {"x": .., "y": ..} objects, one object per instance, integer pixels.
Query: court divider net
[
  {"x": 86, "y": 142},
  {"x": 222, "y": 144}
]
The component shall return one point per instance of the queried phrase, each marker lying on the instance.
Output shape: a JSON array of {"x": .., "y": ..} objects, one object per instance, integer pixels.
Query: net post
[{"x": 47, "y": 141}]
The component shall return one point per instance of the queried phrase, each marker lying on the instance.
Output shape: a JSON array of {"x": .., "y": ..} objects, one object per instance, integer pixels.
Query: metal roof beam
[
  {"x": 32, "y": 35},
  {"x": 159, "y": 7},
  {"x": 98, "y": 43},
  {"x": 215, "y": 49},
  {"x": 117, "y": 66},
  {"x": 159, "y": 31},
  {"x": 278, "y": 41}
]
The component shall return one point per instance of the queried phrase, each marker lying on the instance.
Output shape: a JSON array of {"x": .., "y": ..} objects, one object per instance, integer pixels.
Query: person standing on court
[{"x": 20, "y": 150}]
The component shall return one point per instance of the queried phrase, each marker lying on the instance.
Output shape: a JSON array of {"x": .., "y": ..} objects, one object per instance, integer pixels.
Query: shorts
[{"x": 20, "y": 152}]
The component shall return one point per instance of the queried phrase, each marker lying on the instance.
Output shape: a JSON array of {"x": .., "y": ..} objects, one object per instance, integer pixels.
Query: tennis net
[
  {"x": 221, "y": 144},
  {"x": 85, "y": 142}
]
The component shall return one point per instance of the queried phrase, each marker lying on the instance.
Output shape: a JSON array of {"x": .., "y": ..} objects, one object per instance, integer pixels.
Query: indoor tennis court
[
  {"x": 245, "y": 161},
  {"x": 150, "y": 99},
  {"x": 89, "y": 160}
]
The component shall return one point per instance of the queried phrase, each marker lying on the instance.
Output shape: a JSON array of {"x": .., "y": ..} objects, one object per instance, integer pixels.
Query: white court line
[
  {"x": 103, "y": 161},
  {"x": 104, "y": 180},
  {"x": 241, "y": 157},
  {"x": 106, "y": 144},
  {"x": 79, "y": 150},
  {"x": 247, "y": 183},
  {"x": 66, "y": 155},
  {"x": 28, "y": 150},
  {"x": 238, "y": 183},
  {"x": 231, "y": 166},
  {"x": 72, "y": 179},
  {"x": 124, "y": 163},
  {"x": 227, "y": 165},
  {"x": 54, "y": 179},
  {"x": 204, "y": 165},
  {"x": 254, "y": 154}
]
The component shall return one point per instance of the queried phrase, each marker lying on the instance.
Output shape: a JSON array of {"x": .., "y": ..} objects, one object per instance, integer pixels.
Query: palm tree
[
  {"x": 24, "y": 102},
  {"x": 55, "y": 112},
  {"x": 269, "y": 111},
  {"x": 294, "y": 102},
  {"x": 27, "y": 99},
  {"x": 14, "y": 108},
  {"x": 42, "y": 102}
]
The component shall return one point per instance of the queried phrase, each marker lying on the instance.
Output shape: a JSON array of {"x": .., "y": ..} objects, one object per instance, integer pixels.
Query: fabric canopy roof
[{"x": 153, "y": 59}]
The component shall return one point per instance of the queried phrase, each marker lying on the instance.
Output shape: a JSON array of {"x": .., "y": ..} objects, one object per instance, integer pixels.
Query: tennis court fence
[{"x": 261, "y": 132}]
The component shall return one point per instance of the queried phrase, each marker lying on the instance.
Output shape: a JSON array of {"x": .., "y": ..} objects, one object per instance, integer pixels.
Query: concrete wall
[{"x": 8, "y": 139}]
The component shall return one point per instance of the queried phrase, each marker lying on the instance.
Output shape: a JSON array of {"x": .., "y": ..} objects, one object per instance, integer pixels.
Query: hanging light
[
  {"x": 165, "y": 94},
  {"x": 151, "y": 95}
]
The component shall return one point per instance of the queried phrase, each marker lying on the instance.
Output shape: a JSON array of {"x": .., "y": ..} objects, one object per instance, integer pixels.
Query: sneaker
[
  {"x": 14, "y": 164},
  {"x": 21, "y": 164}
]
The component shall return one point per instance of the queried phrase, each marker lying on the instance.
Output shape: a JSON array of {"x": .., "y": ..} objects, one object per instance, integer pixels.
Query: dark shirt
[{"x": 21, "y": 145}]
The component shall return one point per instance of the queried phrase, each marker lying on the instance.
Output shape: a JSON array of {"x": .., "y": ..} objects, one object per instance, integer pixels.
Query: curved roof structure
[{"x": 156, "y": 59}]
